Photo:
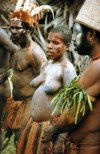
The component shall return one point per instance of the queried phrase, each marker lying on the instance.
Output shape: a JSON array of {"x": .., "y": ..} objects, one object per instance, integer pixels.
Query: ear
[
  {"x": 91, "y": 36},
  {"x": 67, "y": 46}
]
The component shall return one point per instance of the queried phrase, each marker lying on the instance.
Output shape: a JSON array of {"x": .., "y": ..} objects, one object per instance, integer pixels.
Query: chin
[{"x": 50, "y": 57}]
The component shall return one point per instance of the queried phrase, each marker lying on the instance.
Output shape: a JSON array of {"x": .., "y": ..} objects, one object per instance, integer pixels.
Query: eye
[
  {"x": 48, "y": 41},
  {"x": 55, "y": 42}
]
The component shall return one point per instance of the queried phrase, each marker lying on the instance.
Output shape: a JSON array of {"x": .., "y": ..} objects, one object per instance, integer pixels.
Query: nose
[{"x": 49, "y": 45}]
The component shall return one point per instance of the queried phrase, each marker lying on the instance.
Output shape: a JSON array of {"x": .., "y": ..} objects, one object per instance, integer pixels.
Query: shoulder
[
  {"x": 90, "y": 79},
  {"x": 96, "y": 66},
  {"x": 93, "y": 70},
  {"x": 69, "y": 73},
  {"x": 38, "y": 53},
  {"x": 69, "y": 68},
  {"x": 37, "y": 49}
]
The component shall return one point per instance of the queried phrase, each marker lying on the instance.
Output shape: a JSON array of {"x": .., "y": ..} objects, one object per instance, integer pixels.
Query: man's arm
[
  {"x": 7, "y": 43},
  {"x": 90, "y": 79},
  {"x": 65, "y": 121},
  {"x": 3, "y": 77}
]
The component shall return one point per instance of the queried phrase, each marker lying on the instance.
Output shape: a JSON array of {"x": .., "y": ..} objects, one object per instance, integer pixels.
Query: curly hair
[{"x": 64, "y": 32}]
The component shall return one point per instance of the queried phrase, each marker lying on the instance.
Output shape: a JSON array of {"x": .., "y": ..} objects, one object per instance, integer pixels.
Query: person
[
  {"x": 25, "y": 59},
  {"x": 85, "y": 135},
  {"x": 26, "y": 64},
  {"x": 7, "y": 48},
  {"x": 57, "y": 72}
]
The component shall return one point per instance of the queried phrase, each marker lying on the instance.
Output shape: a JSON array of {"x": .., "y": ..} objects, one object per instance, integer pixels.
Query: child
[{"x": 56, "y": 73}]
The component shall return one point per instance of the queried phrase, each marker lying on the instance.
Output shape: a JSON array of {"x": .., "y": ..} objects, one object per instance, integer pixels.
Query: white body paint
[{"x": 53, "y": 76}]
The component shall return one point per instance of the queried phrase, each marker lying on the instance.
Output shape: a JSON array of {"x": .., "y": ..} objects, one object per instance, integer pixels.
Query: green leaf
[{"x": 90, "y": 103}]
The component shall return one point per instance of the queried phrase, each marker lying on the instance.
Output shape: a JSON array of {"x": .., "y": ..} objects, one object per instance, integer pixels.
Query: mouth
[{"x": 49, "y": 52}]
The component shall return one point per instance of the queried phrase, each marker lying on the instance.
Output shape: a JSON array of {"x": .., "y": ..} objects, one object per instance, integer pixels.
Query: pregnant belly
[{"x": 41, "y": 108}]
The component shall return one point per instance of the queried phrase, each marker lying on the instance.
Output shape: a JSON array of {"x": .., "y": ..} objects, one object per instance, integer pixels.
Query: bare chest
[{"x": 53, "y": 72}]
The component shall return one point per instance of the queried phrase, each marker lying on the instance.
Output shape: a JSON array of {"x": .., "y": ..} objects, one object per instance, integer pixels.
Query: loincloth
[
  {"x": 30, "y": 139},
  {"x": 13, "y": 114}
]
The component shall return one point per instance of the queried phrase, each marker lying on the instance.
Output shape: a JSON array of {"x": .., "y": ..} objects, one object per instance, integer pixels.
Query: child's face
[{"x": 55, "y": 46}]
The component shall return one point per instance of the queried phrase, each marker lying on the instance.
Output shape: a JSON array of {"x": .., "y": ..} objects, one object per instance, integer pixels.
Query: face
[
  {"x": 82, "y": 45},
  {"x": 55, "y": 46},
  {"x": 18, "y": 33},
  {"x": 19, "y": 38}
]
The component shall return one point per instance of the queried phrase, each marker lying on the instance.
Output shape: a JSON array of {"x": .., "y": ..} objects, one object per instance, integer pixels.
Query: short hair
[
  {"x": 64, "y": 32},
  {"x": 87, "y": 29}
]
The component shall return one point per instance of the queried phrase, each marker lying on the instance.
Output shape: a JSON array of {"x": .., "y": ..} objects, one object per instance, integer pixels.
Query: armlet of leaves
[{"x": 72, "y": 97}]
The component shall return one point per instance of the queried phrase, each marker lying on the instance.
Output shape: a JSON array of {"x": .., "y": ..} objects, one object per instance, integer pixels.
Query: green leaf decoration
[
  {"x": 72, "y": 97},
  {"x": 10, "y": 76}
]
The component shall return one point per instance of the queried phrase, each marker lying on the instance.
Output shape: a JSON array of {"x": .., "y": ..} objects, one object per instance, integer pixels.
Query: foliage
[
  {"x": 8, "y": 144},
  {"x": 72, "y": 97}
]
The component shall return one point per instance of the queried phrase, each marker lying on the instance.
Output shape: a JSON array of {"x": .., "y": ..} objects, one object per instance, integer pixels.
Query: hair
[
  {"x": 98, "y": 35},
  {"x": 87, "y": 29},
  {"x": 64, "y": 31}
]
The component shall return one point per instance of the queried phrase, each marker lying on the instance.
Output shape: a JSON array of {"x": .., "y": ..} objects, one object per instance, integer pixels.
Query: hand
[{"x": 47, "y": 136}]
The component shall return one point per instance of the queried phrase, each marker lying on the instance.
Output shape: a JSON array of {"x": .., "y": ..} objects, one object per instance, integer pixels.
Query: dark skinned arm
[
  {"x": 7, "y": 43},
  {"x": 3, "y": 77},
  {"x": 63, "y": 124}
]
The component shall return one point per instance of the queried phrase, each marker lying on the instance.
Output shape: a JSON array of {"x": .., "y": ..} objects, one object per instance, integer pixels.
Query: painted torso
[
  {"x": 24, "y": 64},
  {"x": 52, "y": 80}
]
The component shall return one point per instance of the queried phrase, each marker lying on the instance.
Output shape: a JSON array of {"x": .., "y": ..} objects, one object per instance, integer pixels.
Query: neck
[
  {"x": 95, "y": 54},
  {"x": 60, "y": 59}
]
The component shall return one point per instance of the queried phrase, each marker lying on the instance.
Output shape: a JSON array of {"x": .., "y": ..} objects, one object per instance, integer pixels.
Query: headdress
[{"x": 29, "y": 12}]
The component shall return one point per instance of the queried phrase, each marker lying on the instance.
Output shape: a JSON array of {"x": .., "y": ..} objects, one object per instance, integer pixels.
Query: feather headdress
[{"x": 30, "y": 12}]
